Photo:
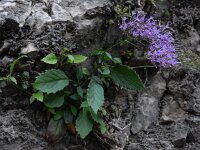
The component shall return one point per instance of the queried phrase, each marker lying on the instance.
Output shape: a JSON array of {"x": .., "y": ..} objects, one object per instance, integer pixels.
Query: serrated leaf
[
  {"x": 84, "y": 123},
  {"x": 51, "y": 81},
  {"x": 126, "y": 78},
  {"x": 68, "y": 116},
  {"x": 54, "y": 100},
  {"x": 38, "y": 96},
  {"x": 95, "y": 95},
  {"x": 56, "y": 129},
  {"x": 50, "y": 59},
  {"x": 76, "y": 58}
]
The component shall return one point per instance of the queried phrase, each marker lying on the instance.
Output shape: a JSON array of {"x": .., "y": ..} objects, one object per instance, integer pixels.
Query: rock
[
  {"x": 134, "y": 146},
  {"x": 5, "y": 47},
  {"x": 59, "y": 13},
  {"x": 29, "y": 48},
  {"x": 194, "y": 135},
  {"x": 147, "y": 110},
  {"x": 39, "y": 17},
  {"x": 180, "y": 134},
  {"x": 17, "y": 131},
  {"x": 18, "y": 11},
  {"x": 172, "y": 111},
  {"x": 6, "y": 60},
  {"x": 194, "y": 102}
]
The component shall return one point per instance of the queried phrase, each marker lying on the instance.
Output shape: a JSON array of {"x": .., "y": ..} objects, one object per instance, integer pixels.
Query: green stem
[
  {"x": 122, "y": 41},
  {"x": 142, "y": 67}
]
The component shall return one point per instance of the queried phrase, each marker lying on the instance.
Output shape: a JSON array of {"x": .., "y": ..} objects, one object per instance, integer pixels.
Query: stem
[
  {"x": 142, "y": 67},
  {"x": 122, "y": 41}
]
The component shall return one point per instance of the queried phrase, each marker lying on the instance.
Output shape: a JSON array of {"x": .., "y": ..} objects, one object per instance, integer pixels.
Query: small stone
[
  {"x": 29, "y": 48},
  {"x": 6, "y": 60}
]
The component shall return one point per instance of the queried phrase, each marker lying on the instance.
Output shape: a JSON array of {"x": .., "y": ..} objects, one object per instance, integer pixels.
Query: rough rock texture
[{"x": 165, "y": 115}]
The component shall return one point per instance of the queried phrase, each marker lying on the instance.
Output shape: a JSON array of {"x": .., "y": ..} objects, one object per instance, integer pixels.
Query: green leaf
[
  {"x": 97, "y": 79},
  {"x": 13, "y": 79},
  {"x": 103, "y": 128},
  {"x": 96, "y": 117},
  {"x": 68, "y": 116},
  {"x": 84, "y": 123},
  {"x": 98, "y": 52},
  {"x": 81, "y": 72},
  {"x": 76, "y": 58},
  {"x": 70, "y": 58},
  {"x": 85, "y": 71},
  {"x": 80, "y": 91},
  {"x": 74, "y": 110},
  {"x": 12, "y": 65},
  {"x": 50, "y": 59},
  {"x": 105, "y": 70},
  {"x": 38, "y": 96},
  {"x": 107, "y": 56},
  {"x": 51, "y": 81},
  {"x": 54, "y": 100},
  {"x": 103, "y": 110},
  {"x": 58, "y": 115},
  {"x": 56, "y": 129},
  {"x": 95, "y": 95},
  {"x": 126, "y": 78},
  {"x": 74, "y": 97},
  {"x": 117, "y": 60},
  {"x": 84, "y": 104}
]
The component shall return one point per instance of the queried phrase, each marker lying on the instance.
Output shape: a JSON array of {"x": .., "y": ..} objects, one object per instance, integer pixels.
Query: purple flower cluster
[{"x": 161, "y": 48}]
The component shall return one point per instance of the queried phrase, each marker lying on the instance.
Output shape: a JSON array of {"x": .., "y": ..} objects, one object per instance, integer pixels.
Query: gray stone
[
  {"x": 180, "y": 134},
  {"x": 17, "y": 10},
  {"x": 39, "y": 17},
  {"x": 148, "y": 109},
  {"x": 6, "y": 60},
  {"x": 195, "y": 101},
  {"x": 194, "y": 135},
  {"x": 29, "y": 48},
  {"x": 59, "y": 13}
]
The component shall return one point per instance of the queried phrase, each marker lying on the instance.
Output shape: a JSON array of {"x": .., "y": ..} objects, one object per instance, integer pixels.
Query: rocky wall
[{"x": 165, "y": 115}]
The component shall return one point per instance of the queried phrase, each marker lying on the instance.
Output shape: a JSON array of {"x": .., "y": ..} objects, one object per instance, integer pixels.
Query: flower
[{"x": 161, "y": 49}]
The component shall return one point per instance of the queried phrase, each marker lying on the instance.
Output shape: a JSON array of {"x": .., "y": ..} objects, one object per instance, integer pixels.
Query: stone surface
[{"x": 147, "y": 110}]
